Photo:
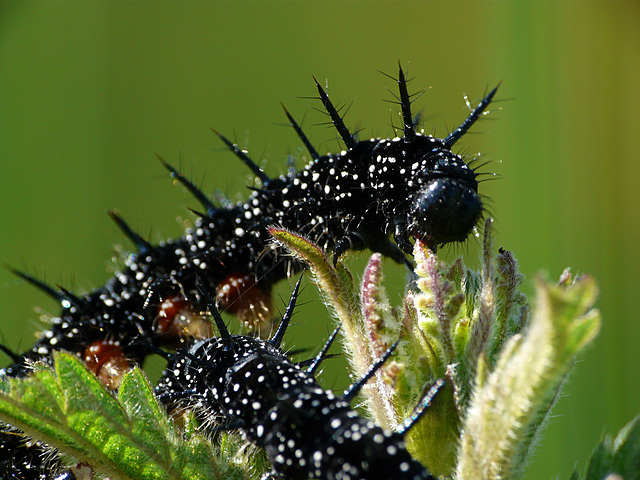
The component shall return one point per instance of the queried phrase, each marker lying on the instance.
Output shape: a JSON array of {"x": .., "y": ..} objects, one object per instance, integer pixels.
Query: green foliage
[
  {"x": 128, "y": 437},
  {"x": 503, "y": 366},
  {"x": 616, "y": 458},
  {"x": 511, "y": 401}
]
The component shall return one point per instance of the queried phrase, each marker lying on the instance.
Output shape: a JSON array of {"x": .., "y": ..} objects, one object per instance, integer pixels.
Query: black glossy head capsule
[
  {"x": 426, "y": 191},
  {"x": 446, "y": 209}
]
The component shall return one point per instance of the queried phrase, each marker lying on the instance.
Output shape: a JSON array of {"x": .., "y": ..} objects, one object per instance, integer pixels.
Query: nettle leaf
[
  {"x": 128, "y": 437},
  {"x": 616, "y": 458},
  {"x": 511, "y": 403}
]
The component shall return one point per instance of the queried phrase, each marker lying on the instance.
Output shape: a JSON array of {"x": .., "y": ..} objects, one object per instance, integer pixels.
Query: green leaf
[
  {"x": 627, "y": 451},
  {"x": 149, "y": 422},
  {"x": 129, "y": 437},
  {"x": 616, "y": 458},
  {"x": 512, "y": 402}
]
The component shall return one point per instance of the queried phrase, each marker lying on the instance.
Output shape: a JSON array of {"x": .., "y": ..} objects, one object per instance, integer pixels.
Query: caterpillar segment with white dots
[
  {"x": 377, "y": 194},
  {"x": 407, "y": 187},
  {"x": 238, "y": 382}
]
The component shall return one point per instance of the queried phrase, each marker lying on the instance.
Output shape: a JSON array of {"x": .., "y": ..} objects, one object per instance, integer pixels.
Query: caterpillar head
[
  {"x": 436, "y": 193},
  {"x": 446, "y": 207},
  {"x": 427, "y": 192}
]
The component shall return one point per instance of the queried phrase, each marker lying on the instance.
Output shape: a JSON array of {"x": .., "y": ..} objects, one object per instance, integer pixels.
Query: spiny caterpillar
[
  {"x": 238, "y": 382},
  {"x": 408, "y": 187}
]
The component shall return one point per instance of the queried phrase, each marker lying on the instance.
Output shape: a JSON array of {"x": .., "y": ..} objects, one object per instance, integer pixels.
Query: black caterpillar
[
  {"x": 413, "y": 186},
  {"x": 249, "y": 384}
]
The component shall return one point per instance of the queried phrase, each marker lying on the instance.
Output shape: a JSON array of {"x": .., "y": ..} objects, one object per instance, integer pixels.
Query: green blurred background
[{"x": 91, "y": 91}]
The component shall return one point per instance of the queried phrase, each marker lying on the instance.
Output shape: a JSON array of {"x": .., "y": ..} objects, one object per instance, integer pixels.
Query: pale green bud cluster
[{"x": 503, "y": 364}]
